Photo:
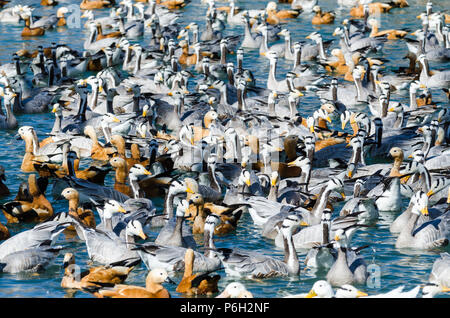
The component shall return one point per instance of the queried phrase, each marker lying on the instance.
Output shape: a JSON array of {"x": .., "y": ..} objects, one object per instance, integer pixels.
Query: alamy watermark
[{"x": 73, "y": 19}]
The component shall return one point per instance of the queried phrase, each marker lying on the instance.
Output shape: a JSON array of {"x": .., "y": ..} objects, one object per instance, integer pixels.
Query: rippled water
[{"x": 397, "y": 267}]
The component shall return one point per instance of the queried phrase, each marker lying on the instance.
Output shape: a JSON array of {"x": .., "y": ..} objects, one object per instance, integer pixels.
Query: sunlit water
[{"x": 396, "y": 267}]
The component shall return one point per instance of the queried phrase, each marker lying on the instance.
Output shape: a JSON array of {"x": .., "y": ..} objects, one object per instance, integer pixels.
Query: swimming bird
[
  {"x": 84, "y": 216},
  {"x": 346, "y": 270},
  {"x": 322, "y": 17},
  {"x": 107, "y": 248},
  {"x": 106, "y": 274},
  {"x": 253, "y": 264},
  {"x": 196, "y": 284},
  {"x": 172, "y": 233},
  {"x": 153, "y": 287},
  {"x": 36, "y": 208},
  {"x": 94, "y": 4},
  {"x": 42, "y": 234},
  {"x": 430, "y": 234},
  {"x": 29, "y": 260},
  {"x": 171, "y": 258}
]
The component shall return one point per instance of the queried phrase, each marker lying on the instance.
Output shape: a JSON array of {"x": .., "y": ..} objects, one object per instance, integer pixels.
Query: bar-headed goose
[
  {"x": 431, "y": 234},
  {"x": 255, "y": 265},
  {"x": 106, "y": 247},
  {"x": 29, "y": 260},
  {"x": 172, "y": 234},
  {"x": 344, "y": 271},
  {"x": 171, "y": 258},
  {"x": 41, "y": 234}
]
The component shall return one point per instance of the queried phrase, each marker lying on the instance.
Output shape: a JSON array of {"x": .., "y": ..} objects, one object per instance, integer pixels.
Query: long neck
[
  {"x": 57, "y": 124},
  {"x": 197, "y": 58},
  {"x": 134, "y": 184},
  {"x": 334, "y": 92},
  {"x": 325, "y": 233},
  {"x": 292, "y": 108},
  {"x": 93, "y": 136},
  {"x": 51, "y": 75},
  {"x": 168, "y": 204},
  {"x": 288, "y": 48},
  {"x": 212, "y": 178},
  {"x": 356, "y": 155},
  {"x": 273, "y": 194},
  {"x": 29, "y": 145},
  {"x": 298, "y": 58},
  {"x": 174, "y": 65},
  {"x": 239, "y": 64},
  {"x": 427, "y": 146},
  {"x": 321, "y": 50},
  {"x": 223, "y": 55},
  {"x": 396, "y": 166},
  {"x": 194, "y": 36},
  {"x": 35, "y": 144},
  {"x": 241, "y": 100},
  {"x": 247, "y": 32},
  {"x": 129, "y": 240},
  {"x": 10, "y": 118},
  {"x": 271, "y": 105},
  {"x": 406, "y": 233},
  {"x": 230, "y": 76},
  {"x": 83, "y": 107},
  {"x": 108, "y": 224},
  {"x": 92, "y": 36},
  {"x": 73, "y": 205},
  {"x": 426, "y": 68},
  {"x": 374, "y": 30},
  {"x": 177, "y": 238},
  {"x": 94, "y": 98},
  {"x": 237, "y": 148},
  {"x": 17, "y": 65},
  {"x": 121, "y": 174},
  {"x": 342, "y": 257},
  {"x": 180, "y": 106},
  {"x": 321, "y": 202},
  {"x": 384, "y": 109},
  {"x": 70, "y": 167},
  {"x": 130, "y": 12},
  {"x": 264, "y": 43},
  {"x": 290, "y": 255},
  {"x": 136, "y": 104},
  {"x": 109, "y": 105},
  {"x": 379, "y": 134},
  {"x": 346, "y": 39},
  {"x": 306, "y": 176},
  {"x": 359, "y": 88},
  {"x": 106, "y": 132},
  {"x": 127, "y": 57},
  {"x": 412, "y": 100},
  {"x": 399, "y": 121},
  {"x": 224, "y": 95},
  {"x": 426, "y": 180},
  {"x": 208, "y": 243},
  {"x": 99, "y": 30},
  {"x": 272, "y": 70},
  {"x": 137, "y": 67}
]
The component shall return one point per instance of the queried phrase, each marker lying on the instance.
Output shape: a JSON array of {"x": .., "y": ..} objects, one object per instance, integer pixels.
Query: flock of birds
[{"x": 175, "y": 119}]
